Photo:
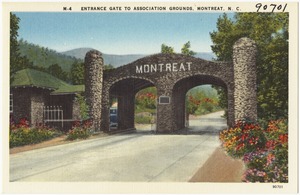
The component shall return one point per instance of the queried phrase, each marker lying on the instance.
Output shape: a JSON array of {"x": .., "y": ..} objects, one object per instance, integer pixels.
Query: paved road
[{"x": 141, "y": 156}]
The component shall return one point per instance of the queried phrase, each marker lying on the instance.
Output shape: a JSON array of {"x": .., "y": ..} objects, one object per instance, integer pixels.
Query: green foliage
[
  {"x": 244, "y": 137},
  {"x": 201, "y": 101},
  {"x": 84, "y": 109},
  {"x": 108, "y": 67},
  {"x": 264, "y": 151},
  {"x": 146, "y": 98},
  {"x": 77, "y": 73},
  {"x": 45, "y": 57},
  {"x": 22, "y": 134},
  {"x": 80, "y": 131},
  {"x": 14, "y": 47},
  {"x": 270, "y": 32},
  {"x": 57, "y": 71},
  {"x": 29, "y": 77},
  {"x": 186, "y": 49},
  {"x": 17, "y": 62},
  {"x": 143, "y": 119},
  {"x": 166, "y": 49},
  {"x": 25, "y": 55},
  {"x": 145, "y": 105}
]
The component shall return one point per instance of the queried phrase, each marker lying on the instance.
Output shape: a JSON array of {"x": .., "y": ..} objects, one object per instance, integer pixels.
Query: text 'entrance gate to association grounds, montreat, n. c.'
[{"x": 172, "y": 75}]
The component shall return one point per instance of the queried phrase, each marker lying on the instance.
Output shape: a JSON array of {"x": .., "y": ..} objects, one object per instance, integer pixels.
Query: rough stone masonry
[
  {"x": 93, "y": 85},
  {"x": 172, "y": 75}
]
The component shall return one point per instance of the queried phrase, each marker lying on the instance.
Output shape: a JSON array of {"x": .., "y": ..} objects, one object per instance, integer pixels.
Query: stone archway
[
  {"x": 125, "y": 90},
  {"x": 172, "y": 74},
  {"x": 185, "y": 84}
]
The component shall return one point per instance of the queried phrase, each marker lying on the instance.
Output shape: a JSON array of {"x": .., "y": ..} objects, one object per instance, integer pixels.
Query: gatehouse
[{"x": 172, "y": 75}]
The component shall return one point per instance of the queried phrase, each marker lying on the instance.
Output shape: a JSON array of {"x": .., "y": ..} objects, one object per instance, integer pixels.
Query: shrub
[
  {"x": 22, "y": 134},
  {"x": 146, "y": 100},
  {"x": 80, "y": 130},
  {"x": 142, "y": 119},
  {"x": 243, "y": 138},
  {"x": 266, "y": 158},
  {"x": 271, "y": 163}
]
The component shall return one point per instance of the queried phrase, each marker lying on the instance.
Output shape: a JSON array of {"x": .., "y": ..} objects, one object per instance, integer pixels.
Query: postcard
[{"x": 150, "y": 97}]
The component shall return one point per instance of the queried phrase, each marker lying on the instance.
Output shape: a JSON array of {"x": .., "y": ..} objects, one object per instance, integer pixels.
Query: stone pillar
[
  {"x": 93, "y": 86},
  {"x": 165, "y": 113},
  {"x": 230, "y": 108},
  {"x": 179, "y": 108},
  {"x": 244, "y": 64},
  {"x": 105, "y": 112}
]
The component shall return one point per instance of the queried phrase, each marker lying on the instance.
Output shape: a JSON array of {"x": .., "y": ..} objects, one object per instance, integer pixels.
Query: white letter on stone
[
  {"x": 181, "y": 68},
  {"x": 138, "y": 70},
  {"x": 153, "y": 67},
  {"x": 146, "y": 68},
  {"x": 189, "y": 65},
  {"x": 174, "y": 68},
  {"x": 168, "y": 67},
  {"x": 160, "y": 67}
]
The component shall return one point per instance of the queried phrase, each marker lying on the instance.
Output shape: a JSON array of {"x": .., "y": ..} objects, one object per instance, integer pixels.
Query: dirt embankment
[{"x": 220, "y": 168}]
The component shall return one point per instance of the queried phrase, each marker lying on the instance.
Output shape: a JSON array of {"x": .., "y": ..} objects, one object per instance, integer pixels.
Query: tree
[
  {"x": 270, "y": 32},
  {"x": 17, "y": 62},
  {"x": 14, "y": 47},
  {"x": 84, "y": 109},
  {"x": 108, "y": 66},
  {"x": 58, "y": 72},
  {"x": 166, "y": 49},
  {"x": 186, "y": 49},
  {"x": 77, "y": 73}
]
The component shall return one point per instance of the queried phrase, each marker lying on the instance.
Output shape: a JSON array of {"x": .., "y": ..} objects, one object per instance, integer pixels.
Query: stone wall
[
  {"x": 21, "y": 104},
  {"x": 28, "y": 103},
  {"x": 38, "y": 99},
  {"x": 76, "y": 115}
]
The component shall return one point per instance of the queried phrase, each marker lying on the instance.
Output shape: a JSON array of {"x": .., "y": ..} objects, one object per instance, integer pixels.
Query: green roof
[
  {"x": 35, "y": 78},
  {"x": 69, "y": 89}
]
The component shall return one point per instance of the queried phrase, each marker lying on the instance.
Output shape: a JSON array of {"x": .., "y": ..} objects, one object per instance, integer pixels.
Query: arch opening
[
  {"x": 146, "y": 110},
  {"x": 124, "y": 92},
  {"x": 197, "y": 107}
]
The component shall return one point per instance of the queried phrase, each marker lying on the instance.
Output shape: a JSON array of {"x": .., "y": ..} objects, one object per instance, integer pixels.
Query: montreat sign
[{"x": 168, "y": 67}]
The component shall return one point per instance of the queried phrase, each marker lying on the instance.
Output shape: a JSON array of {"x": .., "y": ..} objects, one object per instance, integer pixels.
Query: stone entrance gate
[{"x": 172, "y": 75}]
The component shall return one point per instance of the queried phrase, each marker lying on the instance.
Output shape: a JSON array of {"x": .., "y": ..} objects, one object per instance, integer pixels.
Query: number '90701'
[{"x": 270, "y": 7}]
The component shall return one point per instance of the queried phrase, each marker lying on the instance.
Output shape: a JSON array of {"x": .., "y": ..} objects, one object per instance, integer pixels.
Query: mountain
[
  {"x": 207, "y": 89},
  {"x": 205, "y": 55},
  {"x": 119, "y": 60},
  {"x": 45, "y": 57},
  {"x": 115, "y": 60}
]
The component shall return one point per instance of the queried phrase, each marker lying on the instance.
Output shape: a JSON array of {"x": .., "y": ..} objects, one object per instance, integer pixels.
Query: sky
[{"x": 118, "y": 33}]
